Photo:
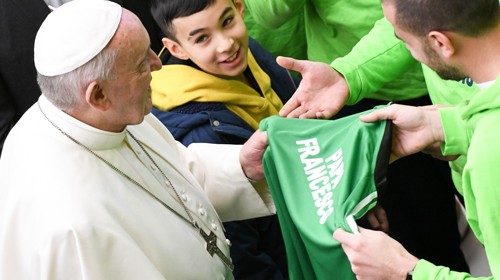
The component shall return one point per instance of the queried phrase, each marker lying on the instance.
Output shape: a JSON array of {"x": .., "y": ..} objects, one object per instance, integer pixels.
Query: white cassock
[{"x": 65, "y": 214}]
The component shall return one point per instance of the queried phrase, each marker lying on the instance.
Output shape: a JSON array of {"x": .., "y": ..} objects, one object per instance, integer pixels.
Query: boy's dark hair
[
  {"x": 165, "y": 11},
  {"x": 467, "y": 17}
]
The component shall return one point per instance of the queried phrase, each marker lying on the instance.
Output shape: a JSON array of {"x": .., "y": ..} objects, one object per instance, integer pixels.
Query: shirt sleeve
[
  {"x": 481, "y": 194},
  {"x": 426, "y": 270},
  {"x": 456, "y": 141},
  {"x": 218, "y": 170},
  {"x": 481, "y": 178},
  {"x": 378, "y": 58}
]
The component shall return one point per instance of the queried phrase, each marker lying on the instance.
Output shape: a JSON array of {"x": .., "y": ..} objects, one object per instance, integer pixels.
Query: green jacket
[
  {"x": 333, "y": 28},
  {"x": 289, "y": 39},
  {"x": 481, "y": 173},
  {"x": 380, "y": 57},
  {"x": 476, "y": 172}
]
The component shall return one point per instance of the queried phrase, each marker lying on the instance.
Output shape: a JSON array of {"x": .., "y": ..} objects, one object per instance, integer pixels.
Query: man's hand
[
  {"x": 251, "y": 156},
  {"x": 378, "y": 219},
  {"x": 414, "y": 128},
  {"x": 321, "y": 93},
  {"x": 375, "y": 255}
]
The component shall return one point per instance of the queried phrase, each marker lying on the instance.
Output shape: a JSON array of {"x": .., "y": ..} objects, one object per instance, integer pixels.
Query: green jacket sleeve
[
  {"x": 378, "y": 58},
  {"x": 481, "y": 180},
  {"x": 426, "y": 270},
  {"x": 274, "y": 13},
  {"x": 481, "y": 195},
  {"x": 480, "y": 176},
  {"x": 456, "y": 141}
]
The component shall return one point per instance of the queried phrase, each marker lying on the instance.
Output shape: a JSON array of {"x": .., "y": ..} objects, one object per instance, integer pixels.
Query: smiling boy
[{"x": 216, "y": 87}]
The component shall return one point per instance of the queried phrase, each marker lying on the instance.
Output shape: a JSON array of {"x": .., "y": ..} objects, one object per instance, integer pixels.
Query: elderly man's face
[{"x": 130, "y": 91}]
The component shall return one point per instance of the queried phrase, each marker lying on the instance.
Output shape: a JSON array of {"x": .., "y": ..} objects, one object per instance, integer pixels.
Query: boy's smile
[{"x": 215, "y": 39}]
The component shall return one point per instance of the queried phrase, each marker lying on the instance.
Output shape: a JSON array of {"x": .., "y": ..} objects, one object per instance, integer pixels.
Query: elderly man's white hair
[{"x": 70, "y": 49}]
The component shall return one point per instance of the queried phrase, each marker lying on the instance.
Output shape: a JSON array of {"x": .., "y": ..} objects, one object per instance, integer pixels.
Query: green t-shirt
[{"x": 323, "y": 175}]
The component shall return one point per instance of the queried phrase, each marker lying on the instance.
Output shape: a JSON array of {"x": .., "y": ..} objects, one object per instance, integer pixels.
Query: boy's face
[{"x": 215, "y": 39}]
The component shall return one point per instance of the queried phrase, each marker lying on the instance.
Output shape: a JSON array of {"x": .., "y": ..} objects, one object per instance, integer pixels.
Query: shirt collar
[
  {"x": 91, "y": 137},
  {"x": 486, "y": 85}
]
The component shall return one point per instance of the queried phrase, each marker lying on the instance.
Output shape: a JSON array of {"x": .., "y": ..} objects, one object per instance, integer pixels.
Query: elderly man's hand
[
  {"x": 251, "y": 156},
  {"x": 414, "y": 128},
  {"x": 374, "y": 255},
  {"x": 322, "y": 91}
]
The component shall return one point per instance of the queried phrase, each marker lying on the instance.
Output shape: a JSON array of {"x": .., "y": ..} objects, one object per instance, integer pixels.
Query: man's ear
[
  {"x": 442, "y": 44},
  {"x": 240, "y": 6},
  {"x": 96, "y": 97},
  {"x": 174, "y": 48}
]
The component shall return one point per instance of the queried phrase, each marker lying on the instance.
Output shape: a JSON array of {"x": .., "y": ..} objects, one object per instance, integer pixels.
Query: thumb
[
  {"x": 291, "y": 63},
  {"x": 363, "y": 230},
  {"x": 261, "y": 137},
  {"x": 343, "y": 237},
  {"x": 373, "y": 117},
  {"x": 386, "y": 113}
]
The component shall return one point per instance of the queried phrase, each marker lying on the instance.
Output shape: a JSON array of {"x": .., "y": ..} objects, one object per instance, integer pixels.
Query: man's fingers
[
  {"x": 373, "y": 220},
  {"x": 386, "y": 113},
  {"x": 261, "y": 138},
  {"x": 308, "y": 115},
  {"x": 289, "y": 106},
  {"x": 296, "y": 112},
  {"x": 344, "y": 237},
  {"x": 291, "y": 64},
  {"x": 320, "y": 115}
]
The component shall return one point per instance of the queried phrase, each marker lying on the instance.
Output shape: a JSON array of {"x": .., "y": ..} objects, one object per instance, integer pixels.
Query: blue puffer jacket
[{"x": 210, "y": 122}]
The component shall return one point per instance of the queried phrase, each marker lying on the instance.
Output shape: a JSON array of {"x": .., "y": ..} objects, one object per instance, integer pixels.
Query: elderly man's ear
[{"x": 96, "y": 97}]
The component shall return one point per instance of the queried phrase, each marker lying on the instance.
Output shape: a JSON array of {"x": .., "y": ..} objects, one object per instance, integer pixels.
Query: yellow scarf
[{"x": 175, "y": 85}]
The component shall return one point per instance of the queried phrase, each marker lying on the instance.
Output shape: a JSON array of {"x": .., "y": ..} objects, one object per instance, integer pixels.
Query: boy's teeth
[{"x": 231, "y": 58}]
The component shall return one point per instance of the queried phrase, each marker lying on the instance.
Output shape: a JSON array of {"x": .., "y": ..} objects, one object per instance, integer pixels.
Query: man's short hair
[
  {"x": 65, "y": 90},
  {"x": 467, "y": 17},
  {"x": 165, "y": 11}
]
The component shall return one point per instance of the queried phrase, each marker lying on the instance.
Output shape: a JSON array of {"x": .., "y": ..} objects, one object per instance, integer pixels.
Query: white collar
[
  {"x": 95, "y": 139},
  {"x": 485, "y": 84}
]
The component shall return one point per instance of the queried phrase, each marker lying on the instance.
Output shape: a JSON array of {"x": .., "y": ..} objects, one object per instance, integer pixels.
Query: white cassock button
[
  {"x": 215, "y": 227},
  {"x": 216, "y": 123},
  {"x": 153, "y": 167},
  {"x": 228, "y": 242},
  {"x": 202, "y": 211},
  {"x": 184, "y": 197}
]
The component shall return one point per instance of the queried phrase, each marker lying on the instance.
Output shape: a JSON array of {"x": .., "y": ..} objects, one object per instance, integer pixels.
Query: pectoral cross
[{"x": 211, "y": 240}]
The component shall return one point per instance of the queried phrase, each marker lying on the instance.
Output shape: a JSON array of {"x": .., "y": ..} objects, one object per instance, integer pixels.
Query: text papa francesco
[{"x": 323, "y": 175}]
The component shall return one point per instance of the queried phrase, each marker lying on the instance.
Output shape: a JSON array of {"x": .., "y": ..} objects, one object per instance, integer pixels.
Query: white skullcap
[{"x": 73, "y": 34}]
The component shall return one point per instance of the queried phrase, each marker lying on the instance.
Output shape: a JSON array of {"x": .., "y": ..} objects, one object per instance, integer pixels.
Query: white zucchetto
[{"x": 73, "y": 34}]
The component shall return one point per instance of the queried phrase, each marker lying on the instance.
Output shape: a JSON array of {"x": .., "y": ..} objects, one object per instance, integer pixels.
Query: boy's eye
[
  {"x": 227, "y": 21},
  {"x": 201, "y": 39}
]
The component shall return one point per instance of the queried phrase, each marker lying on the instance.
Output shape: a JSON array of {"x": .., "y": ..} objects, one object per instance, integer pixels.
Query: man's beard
[{"x": 444, "y": 71}]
